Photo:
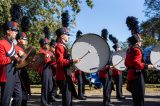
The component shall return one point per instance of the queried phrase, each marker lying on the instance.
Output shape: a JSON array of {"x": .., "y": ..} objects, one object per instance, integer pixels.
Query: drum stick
[
  {"x": 119, "y": 62},
  {"x": 89, "y": 51}
]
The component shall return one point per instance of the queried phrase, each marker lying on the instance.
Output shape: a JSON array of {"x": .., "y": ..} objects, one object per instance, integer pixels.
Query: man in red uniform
[
  {"x": 135, "y": 63},
  {"x": 135, "y": 67},
  {"x": 53, "y": 66},
  {"x": 9, "y": 78},
  {"x": 63, "y": 63},
  {"x": 46, "y": 74},
  {"x": 24, "y": 77}
]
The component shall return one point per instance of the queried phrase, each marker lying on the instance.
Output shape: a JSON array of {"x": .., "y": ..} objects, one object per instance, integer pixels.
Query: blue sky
[{"x": 110, "y": 14}]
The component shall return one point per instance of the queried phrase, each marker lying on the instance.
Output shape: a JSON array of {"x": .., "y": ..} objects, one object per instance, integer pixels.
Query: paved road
[{"x": 151, "y": 99}]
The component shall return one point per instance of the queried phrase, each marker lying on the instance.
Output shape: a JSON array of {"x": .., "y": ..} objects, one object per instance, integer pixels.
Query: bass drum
[
  {"x": 155, "y": 57},
  {"x": 118, "y": 60},
  {"x": 93, "y": 51}
]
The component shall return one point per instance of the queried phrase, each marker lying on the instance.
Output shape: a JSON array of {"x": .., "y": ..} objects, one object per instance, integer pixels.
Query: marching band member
[
  {"x": 135, "y": 64},
  {"x": 117, "y": 77},
  {"x": 24, "y": 77},
  {"x": 63, "y": 63},
  {"x": 117, "y": 74},
  {"x": 78, "y": 74},
  {"x": 9, "y": 77},
  {"x": 53, "y": 66},
  {"x": 105, "y": 77},
  {"x": 45, "y": 72},
  {"x": 20, "y": 49}
]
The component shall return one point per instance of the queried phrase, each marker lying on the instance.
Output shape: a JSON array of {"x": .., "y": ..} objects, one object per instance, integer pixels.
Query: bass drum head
[
  {"x": 118, "y": 60},
  {"x": 94, "y": 52},
  {"x": 155, "y": 57}
]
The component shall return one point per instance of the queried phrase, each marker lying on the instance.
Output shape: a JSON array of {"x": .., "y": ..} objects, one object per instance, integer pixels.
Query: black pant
[
  {"x": 25, "y": 83},
  {"x": 138, "y": 90},
  {"x": 107, "y": 88},
  {"x": 80, "y": 85},
  {"x": 66, "y": 92},
  {"x": 47, "y": 86},
  {"x": 11, "y": 88},
  {"x": 118, "y": 81},
  {"x": 55, "y": 87}
]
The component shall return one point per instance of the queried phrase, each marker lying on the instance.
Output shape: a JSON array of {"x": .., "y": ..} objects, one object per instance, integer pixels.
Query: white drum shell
[
  {"x": 98, "y": 56},
  {"x": 118, "y": 60},
  {"x": 155, "y": 57}
]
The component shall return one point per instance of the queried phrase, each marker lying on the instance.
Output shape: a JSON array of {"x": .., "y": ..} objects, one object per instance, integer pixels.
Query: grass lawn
[{"x": 150, "y": 88}]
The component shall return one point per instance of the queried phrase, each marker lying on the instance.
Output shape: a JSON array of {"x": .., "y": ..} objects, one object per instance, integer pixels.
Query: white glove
[{"x": 150, "y": 66}]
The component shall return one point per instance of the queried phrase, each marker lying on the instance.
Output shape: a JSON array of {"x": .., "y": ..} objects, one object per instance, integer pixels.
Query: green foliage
[
  {"x": 151, "y": 26},
  {"x": 148, "y": 40},
  {"x": 41, "y": 13},
  {"x": 152, "y": 77},
  {"x": 5, "y": 6},
  {"x": 34, "y": 77},
  {"x": 149, "y": 29},
  {"x": 152, "y": 8},
  {"x": 90, "y": 3}
]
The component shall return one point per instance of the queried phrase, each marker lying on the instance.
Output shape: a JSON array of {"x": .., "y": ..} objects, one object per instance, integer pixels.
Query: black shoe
[
  {"x": 121, "y": 97},
  {"x": 45, "y": 105},
  {"x": 53, "y": 99},
  {"x": 109, "y": 104},
  {"x": 82, "y": 98},
  {"x": 85, "y": 96},
  {"x": 57, "y": 96}
]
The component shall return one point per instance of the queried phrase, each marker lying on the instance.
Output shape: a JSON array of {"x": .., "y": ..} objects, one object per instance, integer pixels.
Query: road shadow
[{"x": 96, "y": 100}]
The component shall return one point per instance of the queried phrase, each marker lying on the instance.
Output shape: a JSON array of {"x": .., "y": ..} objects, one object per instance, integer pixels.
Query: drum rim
[
  {"x": 154, "y": 46},
  {"x": 100, "y": 38},
  {"x": 117, "y": 53}
]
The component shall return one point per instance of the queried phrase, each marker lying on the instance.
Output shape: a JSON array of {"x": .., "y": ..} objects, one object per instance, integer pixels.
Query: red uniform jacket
[
  {"x": 18, "y": 48},
  {"x": 48, "y": 55},
  {"x": 6, "y": 50},
  {"x": 53, "y": 65},
  {"x": 61, "y": 60},
  {"x": 78, "y": 72},
  {"x": 103, "y": 73},
  {"x": 133, "y": 61},
  {"x": 115, "y": 72}
]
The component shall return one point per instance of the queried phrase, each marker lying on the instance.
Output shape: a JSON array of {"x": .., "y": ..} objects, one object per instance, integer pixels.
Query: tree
[
  {"x": 152, "y": 8},
  {"x": 151, "y": 27},
  {"x": 150, "y": 30},
  {"x": 42, "y": 13}
]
